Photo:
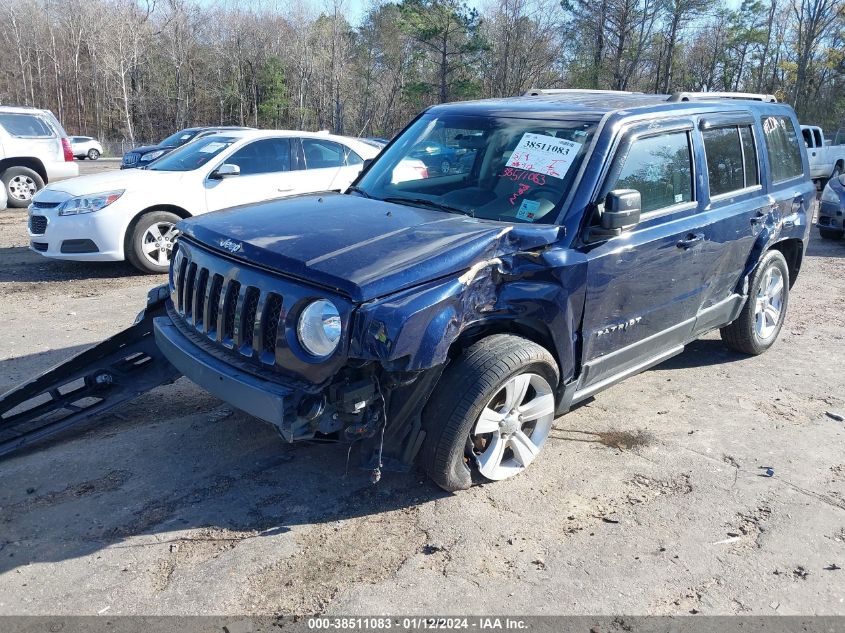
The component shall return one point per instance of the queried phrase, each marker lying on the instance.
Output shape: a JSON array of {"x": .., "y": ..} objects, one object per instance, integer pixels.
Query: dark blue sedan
[
  {"x": 831, "y": 220},
  {"x": 144, "y": 155}
]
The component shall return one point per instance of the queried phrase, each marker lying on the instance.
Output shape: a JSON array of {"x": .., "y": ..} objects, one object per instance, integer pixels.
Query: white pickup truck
[{"x": 827, "y": 158}]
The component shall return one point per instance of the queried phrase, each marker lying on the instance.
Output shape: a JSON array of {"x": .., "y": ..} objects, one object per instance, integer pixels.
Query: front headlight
[
  {"x": 829, "y": 195},
  {"x": 146, "y": 158},
  {"x": 89, "y": 203},
  {"x": 318, "y": 328}
]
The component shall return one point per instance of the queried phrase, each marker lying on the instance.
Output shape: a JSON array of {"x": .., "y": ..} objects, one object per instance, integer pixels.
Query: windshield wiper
[
  {"x": 423, "y": 202},
  {"x": 359, "y": 190}
]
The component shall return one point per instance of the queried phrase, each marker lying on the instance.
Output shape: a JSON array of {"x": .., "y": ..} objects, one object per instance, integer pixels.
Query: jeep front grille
[
  {"x": 131, "y": 158},
  {"x": 244, "y": 315},
  {"x": 240, "y": 317}
]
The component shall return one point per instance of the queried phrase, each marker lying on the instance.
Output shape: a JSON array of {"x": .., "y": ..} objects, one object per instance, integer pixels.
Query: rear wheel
[
  {"x": 830, "y": 234},
  {"x": 21, "y": 184},
  {"x": 759, "y": 324},
  {"x": 93, "y": 154},
  {"x": 491, "y": 412},
  {"x": 150, "y": 241}
]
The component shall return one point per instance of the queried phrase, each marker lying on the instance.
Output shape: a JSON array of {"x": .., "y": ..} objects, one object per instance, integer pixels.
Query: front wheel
[
  {"x": 150, "y": 241},
  {"x": 491, "y": 412},
  {"x": 93, "y": 154},
  {"x": 761, "y": 319}
]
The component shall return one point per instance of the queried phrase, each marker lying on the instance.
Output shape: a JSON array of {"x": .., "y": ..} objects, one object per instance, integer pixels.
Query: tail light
[
  {"x": 68, "y": 151},
  {"x": 422, "y": 170}
]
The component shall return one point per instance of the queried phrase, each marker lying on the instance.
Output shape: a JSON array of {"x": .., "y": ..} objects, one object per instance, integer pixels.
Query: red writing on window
[
  {"x": 522, "y": 189},
  {"x": 520, "y": 174}
]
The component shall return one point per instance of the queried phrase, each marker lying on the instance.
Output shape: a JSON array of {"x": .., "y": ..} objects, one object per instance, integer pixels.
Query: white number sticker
[{"x": 544, "y": 154}]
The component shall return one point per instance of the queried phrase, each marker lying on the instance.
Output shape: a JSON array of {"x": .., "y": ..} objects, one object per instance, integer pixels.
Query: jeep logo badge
[{"x": 231, "y": 245}]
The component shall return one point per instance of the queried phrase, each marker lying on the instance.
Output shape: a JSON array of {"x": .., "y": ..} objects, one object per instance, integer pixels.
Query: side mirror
[
  {"x": 621, "y": 210},
  {"x": 367, "y": 163},
  {"x": 226, "y": 170}
]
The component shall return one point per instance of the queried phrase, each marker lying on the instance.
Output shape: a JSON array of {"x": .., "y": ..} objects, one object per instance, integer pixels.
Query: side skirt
[{"x": 623, "y": 360}]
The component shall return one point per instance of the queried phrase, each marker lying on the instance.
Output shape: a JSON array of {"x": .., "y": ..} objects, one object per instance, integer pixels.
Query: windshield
[
  {"x": 497, "y": 168},
  {"x": 193, "y": 155},
  {"x": 180, "y": 138}
]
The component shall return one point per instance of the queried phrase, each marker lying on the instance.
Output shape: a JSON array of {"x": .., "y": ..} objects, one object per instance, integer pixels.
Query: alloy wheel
[
  {"x": 22, "y": 188},
  {"x": 513, "y": 426},
  {"x": 157, "y": 243},
  {"x": 769, "y": 303}
]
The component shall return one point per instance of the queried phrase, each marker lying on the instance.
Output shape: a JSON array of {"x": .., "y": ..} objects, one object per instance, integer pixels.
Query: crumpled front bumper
[{"x": 261, "y": 398}]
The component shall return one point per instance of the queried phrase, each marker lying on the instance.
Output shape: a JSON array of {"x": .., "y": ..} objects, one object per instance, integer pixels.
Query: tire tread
[{"x": 467, "y": 382}]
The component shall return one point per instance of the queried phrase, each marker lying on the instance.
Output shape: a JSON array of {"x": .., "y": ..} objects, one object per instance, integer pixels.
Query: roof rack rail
[
  {"x": 695, "y": 96},
  {"x": 536, "y": 92}
]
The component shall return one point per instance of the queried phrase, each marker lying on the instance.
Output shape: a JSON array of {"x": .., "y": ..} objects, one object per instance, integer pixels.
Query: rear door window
[
  {"x": 782, "y": 148},
  {"x": 25, "y": 126},
  {"x": 320, "y": 154},
  {"x": 731, "y": 158},
  {"x": 660, "y": 168}
]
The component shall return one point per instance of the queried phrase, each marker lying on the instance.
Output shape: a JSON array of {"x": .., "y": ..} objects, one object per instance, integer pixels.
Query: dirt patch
[
  {"x": 334, "y": 556},
  {"x": 751, "y": 527},
  {"x": 619, "y": 440},
  {"x": 113, "y": 480},
  {"x": 642, "y": 489},
  {"x": 194, "y": 548}
]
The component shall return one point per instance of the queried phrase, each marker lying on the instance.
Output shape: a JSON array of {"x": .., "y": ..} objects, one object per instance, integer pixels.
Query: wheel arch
[
  {"x": 534, "y": 330},
  {"x": 30, "y": 162},
  {"x": 130, "y": 226},
  {"x": 792, "y": 250}
]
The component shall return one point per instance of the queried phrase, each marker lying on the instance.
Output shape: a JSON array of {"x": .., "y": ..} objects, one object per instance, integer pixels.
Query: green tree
[{"x": 450, "y": 33}]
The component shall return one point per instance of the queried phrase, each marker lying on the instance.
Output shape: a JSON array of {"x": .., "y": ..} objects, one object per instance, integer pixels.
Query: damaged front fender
[{"x": 539, "y": 287}]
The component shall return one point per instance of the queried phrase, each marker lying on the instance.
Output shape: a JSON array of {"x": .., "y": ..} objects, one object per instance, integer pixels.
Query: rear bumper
[{"x": 260, "y": 398}]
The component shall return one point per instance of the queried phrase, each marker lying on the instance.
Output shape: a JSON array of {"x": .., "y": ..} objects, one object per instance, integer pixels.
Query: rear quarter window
[
  {"x": 782, "y": 148},
  {"x": 25, "y": 126}
]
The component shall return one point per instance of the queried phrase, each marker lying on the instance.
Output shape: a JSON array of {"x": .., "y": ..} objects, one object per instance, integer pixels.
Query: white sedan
[{"x": 131, "y": 214}]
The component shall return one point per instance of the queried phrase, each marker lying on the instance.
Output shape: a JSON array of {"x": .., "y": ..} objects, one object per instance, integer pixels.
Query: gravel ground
[{"x": 649, "y": 499}]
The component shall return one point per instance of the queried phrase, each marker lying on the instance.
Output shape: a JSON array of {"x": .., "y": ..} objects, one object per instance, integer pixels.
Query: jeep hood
[{"x": 360, "y": 247}]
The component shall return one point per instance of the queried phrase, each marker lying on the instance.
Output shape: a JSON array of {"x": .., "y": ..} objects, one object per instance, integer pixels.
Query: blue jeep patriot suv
[{"x": 448, "y": 317}]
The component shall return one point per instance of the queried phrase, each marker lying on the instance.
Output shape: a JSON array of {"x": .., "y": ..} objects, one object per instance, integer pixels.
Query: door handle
[
  {"x": 281, "y": 190},
  {"x": 691, "y": 240}
]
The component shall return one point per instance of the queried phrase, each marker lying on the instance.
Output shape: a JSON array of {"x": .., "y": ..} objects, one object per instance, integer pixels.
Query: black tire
[
  {"x": 93, "y": 154},
  {"x": 465, "y": 388},
  {"x": 742, "y": 335},
  {"x": 830, "y": 234},
  {"x": 16, "y": 180},
  {"x": 133, "y": 247}
]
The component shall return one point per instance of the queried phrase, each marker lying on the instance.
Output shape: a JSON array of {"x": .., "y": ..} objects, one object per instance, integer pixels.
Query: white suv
[{"x": 34, "y": 150}]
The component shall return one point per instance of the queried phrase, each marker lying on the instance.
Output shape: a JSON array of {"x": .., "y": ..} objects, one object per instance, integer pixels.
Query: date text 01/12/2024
[{"x": 412, "y": 623}]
